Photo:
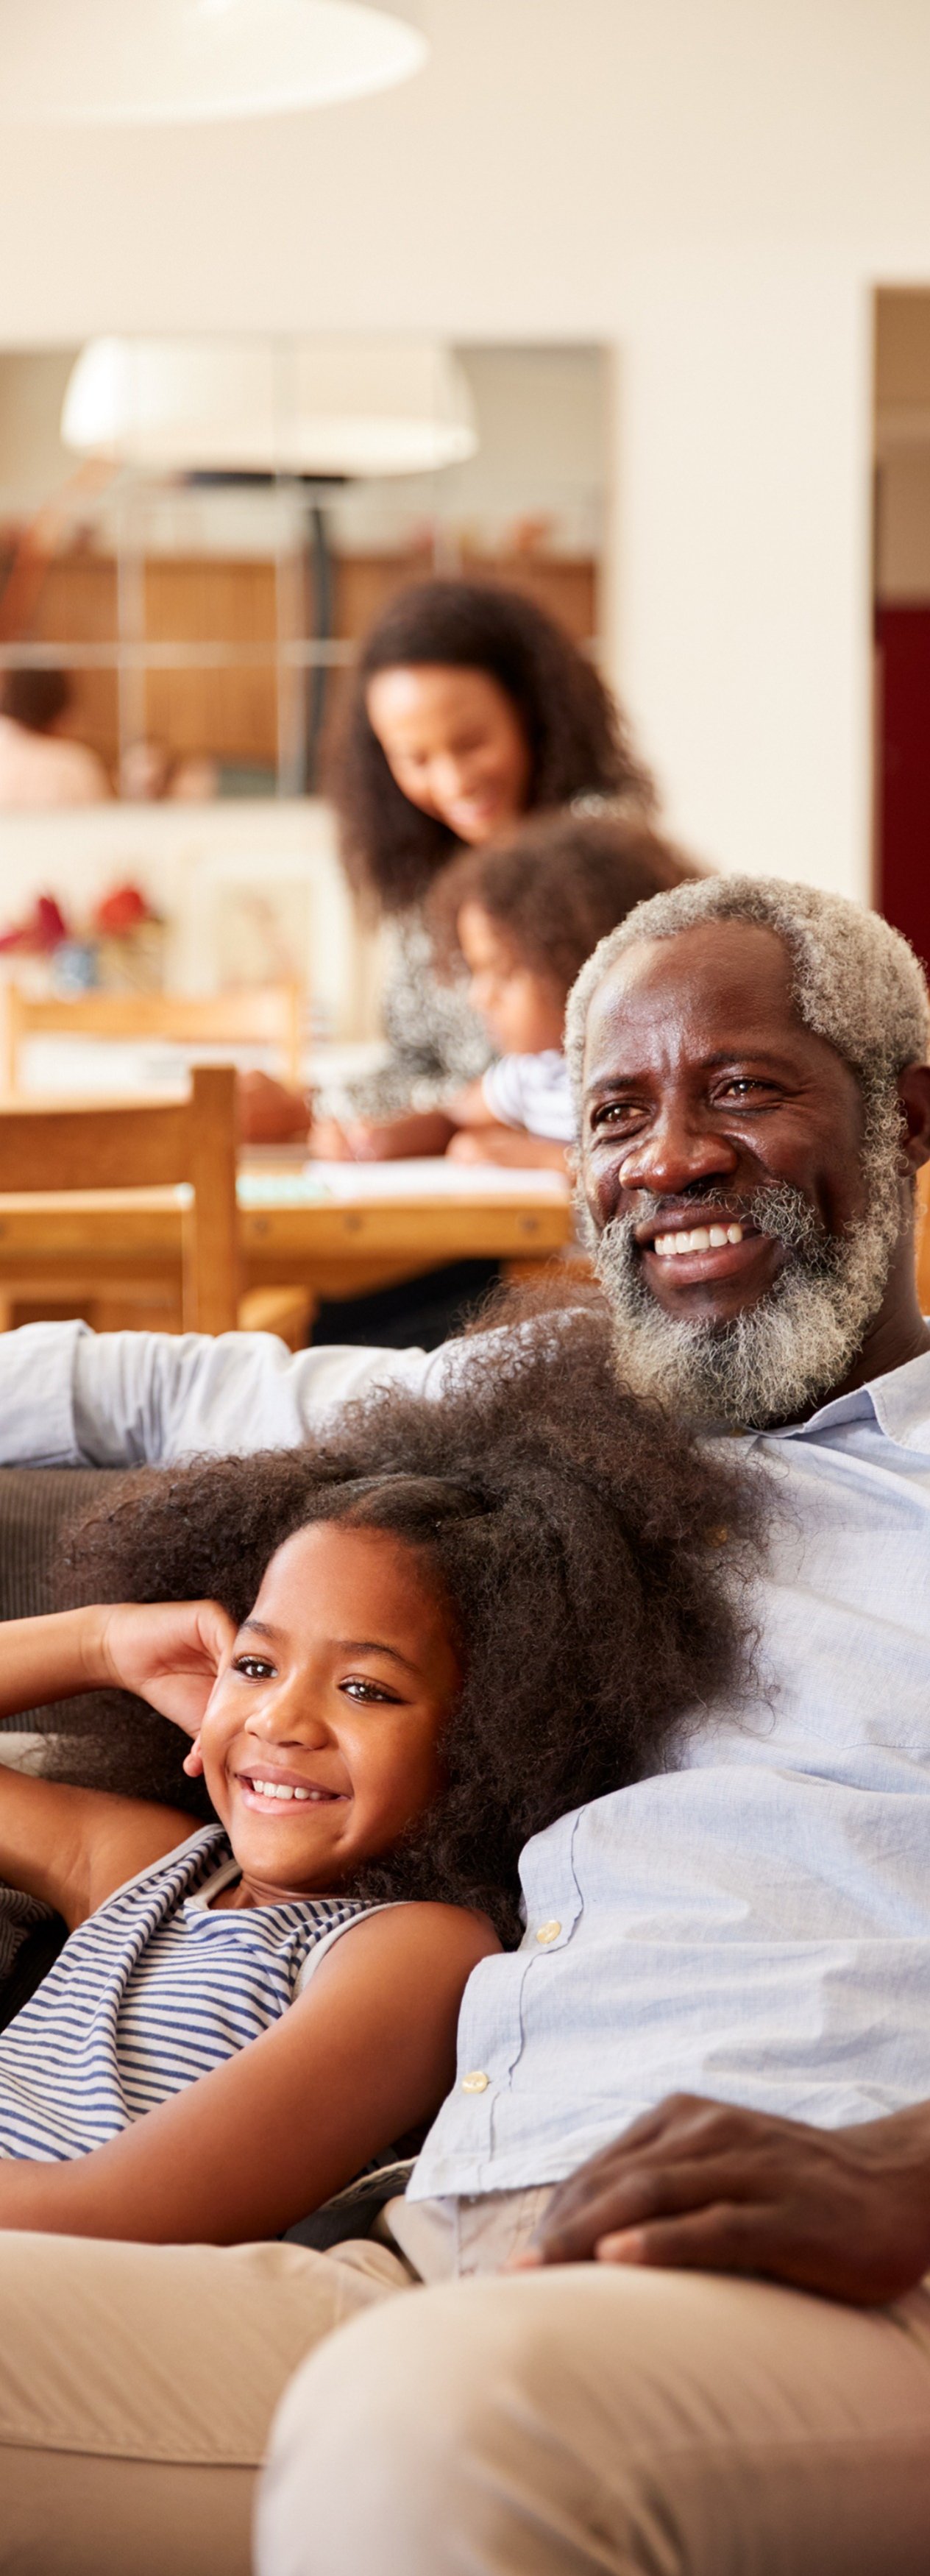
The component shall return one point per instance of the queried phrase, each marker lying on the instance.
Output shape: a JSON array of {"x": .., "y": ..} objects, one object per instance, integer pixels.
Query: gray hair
[{"x": 854, "y": 979}]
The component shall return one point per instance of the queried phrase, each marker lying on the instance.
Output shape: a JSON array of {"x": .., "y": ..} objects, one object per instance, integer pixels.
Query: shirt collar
[{"x": 899, "y": 1402}]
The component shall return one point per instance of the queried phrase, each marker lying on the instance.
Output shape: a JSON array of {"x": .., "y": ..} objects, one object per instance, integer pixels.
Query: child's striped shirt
[{"x": 155, "y": 1989}]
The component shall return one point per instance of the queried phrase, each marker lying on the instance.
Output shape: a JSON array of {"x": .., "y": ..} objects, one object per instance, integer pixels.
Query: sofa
[{"x": 104, "y": 1739}]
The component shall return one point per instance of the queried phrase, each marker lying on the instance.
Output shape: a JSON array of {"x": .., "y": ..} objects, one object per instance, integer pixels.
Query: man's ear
[{"x": 914, "y": 1096}]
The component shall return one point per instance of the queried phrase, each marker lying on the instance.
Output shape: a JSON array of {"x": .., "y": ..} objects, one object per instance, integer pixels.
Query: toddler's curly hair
[
  {"x": 555, "y": 886},
  {"x": 577, "y": 1536}
]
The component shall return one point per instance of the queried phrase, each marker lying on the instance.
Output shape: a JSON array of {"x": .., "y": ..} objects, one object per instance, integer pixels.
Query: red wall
[{"x": 904, "y": 757}]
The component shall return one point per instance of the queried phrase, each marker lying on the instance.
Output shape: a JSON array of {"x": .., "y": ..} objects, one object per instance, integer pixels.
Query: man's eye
[
  {"x": 741, "y": 1084},
  {"x": 355, "y": 1688},
  {"x": 614, "y": 1114},
  {"x": 254, "y": 1668}
]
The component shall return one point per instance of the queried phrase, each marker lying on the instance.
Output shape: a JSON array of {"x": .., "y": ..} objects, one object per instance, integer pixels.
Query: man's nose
[{"x": 676, "y": 1150}]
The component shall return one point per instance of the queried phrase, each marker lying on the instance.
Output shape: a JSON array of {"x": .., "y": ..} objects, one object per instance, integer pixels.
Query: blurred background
[{"x": 195, "y": 534}]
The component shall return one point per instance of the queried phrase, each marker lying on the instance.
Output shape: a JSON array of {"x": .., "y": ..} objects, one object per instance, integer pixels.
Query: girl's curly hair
[
  {"x": 579, "y": 740},
  {"x": 576, "y": 1535},
  {"x": 555, "y": 887}
]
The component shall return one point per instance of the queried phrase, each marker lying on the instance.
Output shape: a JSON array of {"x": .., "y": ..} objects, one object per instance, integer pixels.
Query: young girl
[
  {"x": 400, "y": 1652},
  {"x": 524, "y": 915}
]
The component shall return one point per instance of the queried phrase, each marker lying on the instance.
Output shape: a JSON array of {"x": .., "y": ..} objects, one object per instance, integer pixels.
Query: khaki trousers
[
  {"x": 137, "y": 2385},
  {"x": 575, "y": 2421},
  {"x": 598, "y": 2422}
]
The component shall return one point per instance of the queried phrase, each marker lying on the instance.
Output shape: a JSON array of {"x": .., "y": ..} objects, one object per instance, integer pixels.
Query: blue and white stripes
[{"x": 154, "y": 1990}]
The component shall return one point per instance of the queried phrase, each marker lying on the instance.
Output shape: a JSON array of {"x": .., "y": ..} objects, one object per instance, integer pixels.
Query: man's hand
[
  {"x": 169, "y": 1652},
  {"x": 698, "y": 2186}
]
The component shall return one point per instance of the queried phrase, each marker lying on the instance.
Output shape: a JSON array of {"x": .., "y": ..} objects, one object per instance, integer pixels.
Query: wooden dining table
[{"x": 114, "y": 1256}]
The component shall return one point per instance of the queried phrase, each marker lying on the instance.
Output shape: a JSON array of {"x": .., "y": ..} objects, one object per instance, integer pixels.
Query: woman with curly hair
[
  {"x": 401, "y": 1652},
  {"x": 470, "y": 707}
]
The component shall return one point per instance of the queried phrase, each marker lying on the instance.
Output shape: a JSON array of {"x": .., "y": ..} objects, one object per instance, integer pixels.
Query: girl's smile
[{"x": 320, "y": 1742}]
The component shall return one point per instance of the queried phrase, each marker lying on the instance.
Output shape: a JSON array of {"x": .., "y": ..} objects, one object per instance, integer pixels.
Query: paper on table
[{"x": 435, "y": 1177}]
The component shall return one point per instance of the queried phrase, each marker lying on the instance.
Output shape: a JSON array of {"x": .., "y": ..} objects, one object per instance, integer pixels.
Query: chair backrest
[
  {"x": 150, "y": 1146},
  {"x": 258, "y": 1015}
]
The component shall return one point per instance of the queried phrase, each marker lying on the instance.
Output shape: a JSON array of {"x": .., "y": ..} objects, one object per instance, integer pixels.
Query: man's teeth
[
  {"x": 702, "y": 1238},
  {"x": 281, "y": 1789}
]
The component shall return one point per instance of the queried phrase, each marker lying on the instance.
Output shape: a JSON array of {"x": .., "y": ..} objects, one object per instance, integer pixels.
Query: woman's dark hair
[
  {"x": 577, "y": 1537},
  {"x": 556, "y": 886},
  {"x": 578, "y": 740}
]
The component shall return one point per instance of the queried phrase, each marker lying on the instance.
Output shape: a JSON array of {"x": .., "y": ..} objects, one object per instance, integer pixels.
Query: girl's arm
[
  {"x": 366, "y": 2053},
  {"x": 469, "y": 1108},
  {"x": 509, "y": 1145},
  {"x": 480, "y": 1137},
  {"x": 381, "y": 1140},
  {"x": 72, "y": 1847}
]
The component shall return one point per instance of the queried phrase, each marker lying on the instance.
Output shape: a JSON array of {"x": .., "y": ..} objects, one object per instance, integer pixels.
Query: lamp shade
[
  {"x": 327, "y": 407},
  {"x": 153, "y": 62}
]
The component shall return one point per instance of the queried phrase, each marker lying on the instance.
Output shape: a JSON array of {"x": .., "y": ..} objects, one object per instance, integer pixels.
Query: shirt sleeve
[
  {"x": 37, "y": 1396},
  {"x": 502, "y": 1091},
  {"x": 532, "y": 1092},
  {"x": 70, "y": 1397}
]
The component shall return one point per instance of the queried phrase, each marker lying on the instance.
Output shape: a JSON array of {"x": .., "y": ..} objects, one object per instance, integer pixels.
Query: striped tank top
[{"x": 152, "y": 1991}]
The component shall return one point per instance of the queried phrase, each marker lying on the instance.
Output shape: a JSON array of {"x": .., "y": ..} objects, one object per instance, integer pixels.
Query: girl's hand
[{"x": 169, "y": 1652}]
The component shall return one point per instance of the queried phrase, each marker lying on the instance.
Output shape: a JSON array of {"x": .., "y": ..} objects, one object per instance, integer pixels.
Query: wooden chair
[
  {"x": 152, "y": 1146},
  {"x": 258, "y": 1015}
]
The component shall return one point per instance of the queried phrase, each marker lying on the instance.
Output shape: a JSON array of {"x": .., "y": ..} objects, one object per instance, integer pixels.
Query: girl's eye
[
  {"x": 366, "y": 1691},
  {"x": 254, "y": 1668}
]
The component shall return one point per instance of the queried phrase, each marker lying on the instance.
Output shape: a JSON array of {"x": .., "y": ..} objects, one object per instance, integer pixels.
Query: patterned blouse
[{"x": 435, "y": 1042}]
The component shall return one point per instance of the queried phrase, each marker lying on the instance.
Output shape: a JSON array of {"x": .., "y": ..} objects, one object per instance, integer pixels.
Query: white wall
[
  {"x": 264, "y": 876},
  {"x": 712, "y": 186}
]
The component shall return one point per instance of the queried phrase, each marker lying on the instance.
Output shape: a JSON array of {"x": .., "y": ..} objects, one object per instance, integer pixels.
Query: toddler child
[
  {"x": 524, "y": 915},
  {"x": 521, "y": 916},
  {"x": 400, "y": 1651}
]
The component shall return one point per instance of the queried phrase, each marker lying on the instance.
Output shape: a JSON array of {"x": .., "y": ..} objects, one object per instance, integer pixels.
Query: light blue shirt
[
  {"x": 754, "y": 1924},
  {"x": 73, "y": 1398}
]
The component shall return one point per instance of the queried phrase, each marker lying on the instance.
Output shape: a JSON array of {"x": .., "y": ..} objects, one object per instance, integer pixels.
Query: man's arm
[
  {"x": 72, "y": 1398},
  {"x": 700, "y": 2186}
]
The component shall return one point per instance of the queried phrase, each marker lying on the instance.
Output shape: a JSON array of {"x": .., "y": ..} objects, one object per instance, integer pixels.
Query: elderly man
[{"x": 686, "y": 2165}]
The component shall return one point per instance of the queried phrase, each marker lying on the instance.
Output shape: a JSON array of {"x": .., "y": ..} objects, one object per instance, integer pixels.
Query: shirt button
[
  {"x": 548, "y": 1932},
  {"x": 477, "y": 2082}
]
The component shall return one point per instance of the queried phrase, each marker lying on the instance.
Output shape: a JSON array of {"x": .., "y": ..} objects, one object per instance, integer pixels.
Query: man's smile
[{"x": 678, "y": 1252}]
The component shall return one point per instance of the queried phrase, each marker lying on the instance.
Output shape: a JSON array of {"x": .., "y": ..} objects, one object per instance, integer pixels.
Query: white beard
[{"x": 774, "y": 1362}]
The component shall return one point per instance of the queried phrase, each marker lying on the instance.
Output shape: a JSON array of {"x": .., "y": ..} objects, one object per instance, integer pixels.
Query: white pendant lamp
[
  {"x": 158, "y": 62},
  {"x": 347, "y": 407}
]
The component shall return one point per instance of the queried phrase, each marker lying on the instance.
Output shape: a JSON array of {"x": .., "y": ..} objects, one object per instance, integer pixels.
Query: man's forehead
[{"x": 722, "y": 977}]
